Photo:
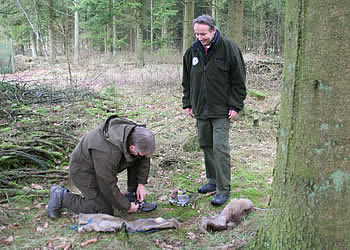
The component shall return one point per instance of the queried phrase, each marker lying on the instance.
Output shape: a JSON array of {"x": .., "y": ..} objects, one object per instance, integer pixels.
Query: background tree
[
  {"x": 163, "y": 29},
  {"x": 76, "y": 31},
  {"x": 188, "y": 27},
  {"x": 140, "y": 60},
  {"x": 309, "y": 207},
  {"x": 52, "y": 33},
  {"x": 109, "y": 25},
  {"x": 235, "y": 21},
  {"x": 263, "y": 26}
]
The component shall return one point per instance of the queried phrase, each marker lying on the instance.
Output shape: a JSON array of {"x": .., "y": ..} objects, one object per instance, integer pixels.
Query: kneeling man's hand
[
  {"x": 133, "y": 208},
  {"x": 141, "y": 192}
]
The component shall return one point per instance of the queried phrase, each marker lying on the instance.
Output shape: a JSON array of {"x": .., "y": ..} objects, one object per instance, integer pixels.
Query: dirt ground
[{"x": 152, "y": 96}]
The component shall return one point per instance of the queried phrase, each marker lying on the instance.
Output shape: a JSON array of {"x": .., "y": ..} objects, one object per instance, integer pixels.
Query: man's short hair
[
  {"x": 205, "y": 19},
  {"x": 143, "y": 140}
]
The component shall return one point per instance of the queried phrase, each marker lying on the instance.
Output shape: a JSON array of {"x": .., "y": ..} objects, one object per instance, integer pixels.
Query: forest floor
[{"x": 152, "y": 96}]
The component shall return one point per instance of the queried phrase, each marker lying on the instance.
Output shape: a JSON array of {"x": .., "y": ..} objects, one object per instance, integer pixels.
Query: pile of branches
[
  {"x": 33, "y": 141},
  {"x": 34, "y": 92},
  {"x": 31, "y": 92},
  {"x": 15, "y": 182},
  {"x": 35, "y": 145}
]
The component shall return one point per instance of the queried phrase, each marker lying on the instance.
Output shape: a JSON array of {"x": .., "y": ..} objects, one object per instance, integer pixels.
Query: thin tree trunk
[
  {"x": 140, "y": 61},
  {"x": 105, "y": 40},
  {"x": 165, "y": 32},
  {"x": 33, "y": 45},
  {"x": 52, "y": 35},
  {"x": 114, "y": 31},
  {"x": 132, "y": 39},
  {"x": 188, "y": 27},
  {"x": 235, "y": 24},
  {"x": 13, "y": 61},
  {"x": 218, "y": 18},
  {"x": 309, "y": 207},
  {"x": 76, "y": 32},
  {"x": 213, "y": 9},
  {"x": 68, "y": 32},
  {"x": 151, "y": 2}
]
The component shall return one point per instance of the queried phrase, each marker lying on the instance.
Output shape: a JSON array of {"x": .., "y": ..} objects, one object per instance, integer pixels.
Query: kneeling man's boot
[{"x": 55, "y": 201}]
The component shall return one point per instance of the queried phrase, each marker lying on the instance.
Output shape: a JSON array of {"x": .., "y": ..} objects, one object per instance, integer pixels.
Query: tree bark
[
  {"x": 309, "y": 206},
  {"x": 235, "y": 23},
  {"x": 188, "y": 27}
]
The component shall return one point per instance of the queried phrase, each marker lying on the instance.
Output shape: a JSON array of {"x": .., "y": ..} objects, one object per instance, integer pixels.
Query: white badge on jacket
[{"x": 195, "y": 61}]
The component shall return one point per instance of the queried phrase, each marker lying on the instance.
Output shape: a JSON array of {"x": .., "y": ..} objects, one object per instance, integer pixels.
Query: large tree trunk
[
  {"x": 309, "y": 207},
  {"x": 52, "y": 34},
  {"x": 188, "y": 27},
  {"x": 235, "y": 22}
]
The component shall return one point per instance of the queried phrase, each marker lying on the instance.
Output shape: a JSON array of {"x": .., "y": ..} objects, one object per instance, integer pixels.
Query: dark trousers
[{"x": 213, "y": 136}]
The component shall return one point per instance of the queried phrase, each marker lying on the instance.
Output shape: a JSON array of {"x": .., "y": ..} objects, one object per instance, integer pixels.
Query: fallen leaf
[
  {"x": 65, "y": 246},
  {"x": 7, "y": 241},
  {"x": 14, "y": 225},
  {"x": 40, "y": 205},
  {"x": 88, "y": 242},
  {"x": 37, "y": 186}
]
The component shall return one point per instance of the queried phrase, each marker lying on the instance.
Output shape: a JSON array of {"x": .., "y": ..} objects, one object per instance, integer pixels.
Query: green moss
[
  {"x": 5, "y": 130},
  {"x": 257, "y": 94},
  {"x": 42, "y": 111},
  {"x": 180, "y": 213}
]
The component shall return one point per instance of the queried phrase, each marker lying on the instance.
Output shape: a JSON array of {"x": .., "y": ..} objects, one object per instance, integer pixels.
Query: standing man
[
  {"x": 213, "y": 93},
  {"x": 115, "y": 145}
]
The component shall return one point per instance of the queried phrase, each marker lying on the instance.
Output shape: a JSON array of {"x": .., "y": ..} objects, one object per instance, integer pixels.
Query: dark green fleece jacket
[
  {"x": 110, "y": 137},
  {"x": 213, "y": 81}
]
